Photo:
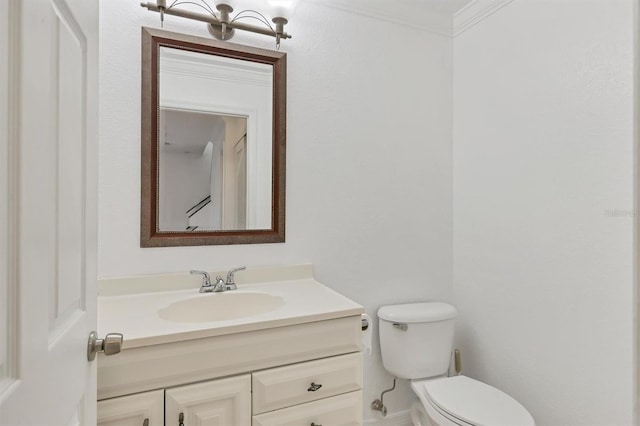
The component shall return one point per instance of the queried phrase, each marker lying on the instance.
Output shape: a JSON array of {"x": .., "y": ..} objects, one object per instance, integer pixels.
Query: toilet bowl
[
  {"x": 461, "y": 400},
  {"x": 416, "y": 341},
  {"x": 419, "y": 416}
]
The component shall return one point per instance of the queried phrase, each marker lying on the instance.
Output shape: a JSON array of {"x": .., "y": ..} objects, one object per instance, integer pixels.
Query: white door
[{"x": 48, "y": 231}]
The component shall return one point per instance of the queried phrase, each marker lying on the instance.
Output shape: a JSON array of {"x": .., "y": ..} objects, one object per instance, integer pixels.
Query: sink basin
[{"x": 220, "y": 306}]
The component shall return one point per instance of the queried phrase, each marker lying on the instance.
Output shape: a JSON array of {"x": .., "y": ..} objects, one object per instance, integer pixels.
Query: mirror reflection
[
  {"x": 203, "y": 169},
  {"x": 214, "y": 143}
]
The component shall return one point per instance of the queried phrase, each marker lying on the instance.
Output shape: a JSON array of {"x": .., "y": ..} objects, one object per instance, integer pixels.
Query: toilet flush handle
[{"x": 401, "y": 326}]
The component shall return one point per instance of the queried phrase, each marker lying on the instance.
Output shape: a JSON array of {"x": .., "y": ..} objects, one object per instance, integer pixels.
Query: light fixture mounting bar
[{"x": 210, "y": 19}]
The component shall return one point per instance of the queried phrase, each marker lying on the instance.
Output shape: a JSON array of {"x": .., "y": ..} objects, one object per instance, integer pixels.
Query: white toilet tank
[{"x": 416, "y": 338}]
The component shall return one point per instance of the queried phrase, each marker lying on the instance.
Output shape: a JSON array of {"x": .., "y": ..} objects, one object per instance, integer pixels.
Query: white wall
[
  {"x": 368, "y": 161},
  {"x": 543, "y": 206}
]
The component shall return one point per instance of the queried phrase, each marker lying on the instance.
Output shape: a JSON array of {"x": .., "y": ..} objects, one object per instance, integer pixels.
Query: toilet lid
[{"x": 477, "y": 403}]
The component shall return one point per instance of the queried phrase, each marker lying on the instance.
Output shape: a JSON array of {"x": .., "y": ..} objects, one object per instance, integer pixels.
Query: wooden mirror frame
[{"x": 150, "y": 235}]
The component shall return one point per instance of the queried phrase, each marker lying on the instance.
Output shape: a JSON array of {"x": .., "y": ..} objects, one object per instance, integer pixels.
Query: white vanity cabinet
[
  {"x": 301, "y": 374},
  {"x": 241, "y": 361},
  {"x": 320, "y": 392}
]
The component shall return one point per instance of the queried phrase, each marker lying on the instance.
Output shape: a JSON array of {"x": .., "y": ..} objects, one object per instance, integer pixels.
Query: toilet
[{"x": 416, "y": 340}]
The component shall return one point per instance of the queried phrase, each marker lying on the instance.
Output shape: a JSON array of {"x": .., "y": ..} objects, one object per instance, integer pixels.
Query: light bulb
[
  {"x": 282, "y": 8},
  {"x": 232, "y": 3}
]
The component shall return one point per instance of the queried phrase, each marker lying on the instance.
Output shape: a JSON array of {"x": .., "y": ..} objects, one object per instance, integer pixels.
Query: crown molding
[
  {"x": 432, "y": 22},
  {"x": 475, "y": 12}
]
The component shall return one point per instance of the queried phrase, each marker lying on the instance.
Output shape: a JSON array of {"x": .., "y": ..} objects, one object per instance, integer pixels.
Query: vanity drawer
[
  {"x": 307, "y": 381},
  {"x": 343, "y": 410}
]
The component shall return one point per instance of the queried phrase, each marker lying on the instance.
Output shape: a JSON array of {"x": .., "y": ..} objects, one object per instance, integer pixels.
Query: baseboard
[{"x": 401, "y": 418}]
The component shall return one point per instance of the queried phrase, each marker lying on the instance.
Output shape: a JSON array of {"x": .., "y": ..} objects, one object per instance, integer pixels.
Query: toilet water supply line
[{"x": 378, "y": 404}]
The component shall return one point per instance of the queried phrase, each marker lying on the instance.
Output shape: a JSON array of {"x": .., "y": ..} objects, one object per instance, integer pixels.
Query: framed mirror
[{"x": 213, "y": 142}]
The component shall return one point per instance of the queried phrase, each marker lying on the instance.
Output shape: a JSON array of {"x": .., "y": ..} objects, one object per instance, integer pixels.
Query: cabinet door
[
  {"x": 142, "y": 409},
  {"x": 215, "y": 403}
]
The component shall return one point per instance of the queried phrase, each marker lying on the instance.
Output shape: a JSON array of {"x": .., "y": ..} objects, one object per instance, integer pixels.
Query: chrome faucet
[
  {"x": 230, "y": 284},
  {"x": 207, "y": 286},
  {"x": 220, "y": 285}
]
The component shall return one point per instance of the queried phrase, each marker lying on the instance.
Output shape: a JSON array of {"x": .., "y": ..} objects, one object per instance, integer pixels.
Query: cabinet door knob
[
  {"x": 314, "y": 387},
  {"x": 181, "y": 419},
  {"x": 315, "y": 424},
  {"x": 145, "y": 422}
]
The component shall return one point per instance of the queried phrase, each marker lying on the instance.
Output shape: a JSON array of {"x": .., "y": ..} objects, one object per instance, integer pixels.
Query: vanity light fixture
[{"x": 221, "y": 25}]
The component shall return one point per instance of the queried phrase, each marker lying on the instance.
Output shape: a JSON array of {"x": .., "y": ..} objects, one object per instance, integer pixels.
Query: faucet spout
[{"x": 219, "y": 286}]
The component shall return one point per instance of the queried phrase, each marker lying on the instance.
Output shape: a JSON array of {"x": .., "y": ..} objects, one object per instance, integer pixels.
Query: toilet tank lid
[{"x": 417, "y": 312}]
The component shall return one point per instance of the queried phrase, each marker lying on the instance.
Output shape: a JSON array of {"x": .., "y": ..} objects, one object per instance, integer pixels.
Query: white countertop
[{"x": 136, "y": 315}]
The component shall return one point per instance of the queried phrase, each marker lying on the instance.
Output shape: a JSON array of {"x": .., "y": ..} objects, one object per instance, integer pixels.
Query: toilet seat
[{"x": 465, "y": 401}]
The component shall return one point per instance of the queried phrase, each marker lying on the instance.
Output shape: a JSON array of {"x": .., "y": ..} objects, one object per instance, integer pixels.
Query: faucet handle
[
  {"x": 230, "y": 280},
  {"x": 206, "y": 278}
]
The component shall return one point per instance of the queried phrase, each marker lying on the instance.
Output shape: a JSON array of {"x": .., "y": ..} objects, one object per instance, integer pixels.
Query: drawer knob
[
  {"x": 315, "y": 424},
  {"x": 314, "y": 387}
]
